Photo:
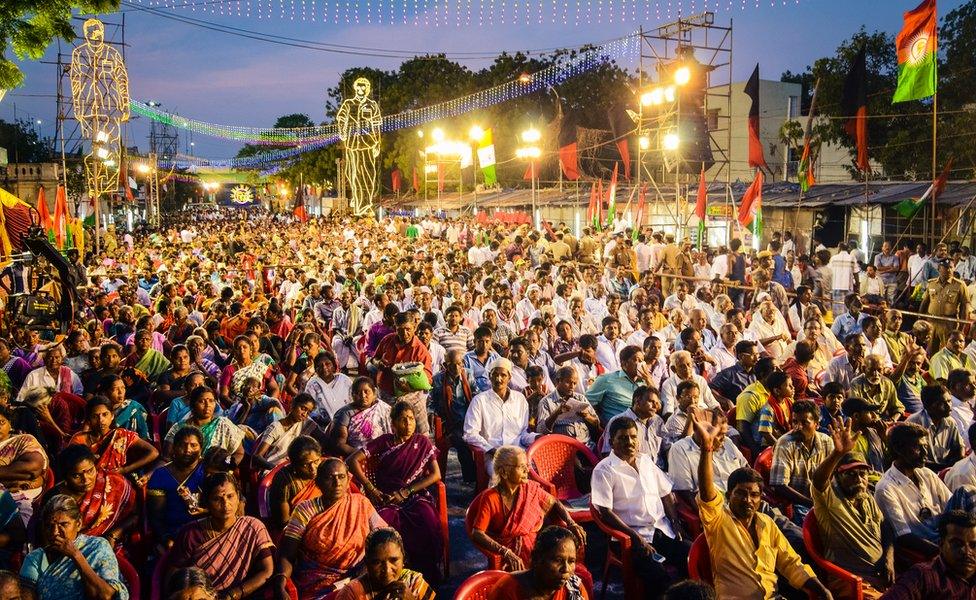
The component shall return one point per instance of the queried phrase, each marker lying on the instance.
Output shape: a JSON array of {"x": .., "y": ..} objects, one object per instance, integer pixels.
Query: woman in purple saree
[{"x": 396, "y": 471}]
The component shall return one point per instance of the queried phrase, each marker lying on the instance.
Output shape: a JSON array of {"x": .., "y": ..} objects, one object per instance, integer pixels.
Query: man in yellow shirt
[{"x": 746, "y": 548}]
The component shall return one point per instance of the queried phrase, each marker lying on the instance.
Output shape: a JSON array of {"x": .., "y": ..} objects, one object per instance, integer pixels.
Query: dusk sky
[{"x": 227, "y": 79}]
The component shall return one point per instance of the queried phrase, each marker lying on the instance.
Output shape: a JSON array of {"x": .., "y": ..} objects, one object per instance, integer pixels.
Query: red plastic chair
[
  {"x": 764, "y": 464},
  {"x": 262, "y": 494},
  {"x": 156, "y": 591},
  {"x": 478, "y": 585},
  {"x": 494, "y": 560},
  {"x": 130, "y": 577},
  {"x": 688, "y": 513},
  {"x": 619, "y": 554},
  {"x": 700, "y": 561},
  {"x": 481, "y": 471},
  {"x": 442, "y": 443},
  {"x": 814, "y": 546},
  {"x": 440, "y": 497},
  {"x": 552, "y": 461}
]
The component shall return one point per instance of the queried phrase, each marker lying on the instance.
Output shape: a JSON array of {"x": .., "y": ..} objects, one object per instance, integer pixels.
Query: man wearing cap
[
  {"x": 945, "y": 296},
  {"x": 849, "y": 518},
  {"x": 498, "y": 417},
  {"x": 869, "y": 447},
  {"x": 527, "y": 306}
]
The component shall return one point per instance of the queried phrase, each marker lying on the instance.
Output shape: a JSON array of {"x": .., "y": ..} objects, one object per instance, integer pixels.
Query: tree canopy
[
  {"x": 29, "y": 26},
  {"x": 900, "y": 135}
]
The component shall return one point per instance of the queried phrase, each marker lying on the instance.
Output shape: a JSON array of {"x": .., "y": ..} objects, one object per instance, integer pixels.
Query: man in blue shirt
[
  {"x": 476, "y": 361},
  {"x": 850, "y": 322},
  {"x": 613, "y": 393},
  {"x": 888, "y": 265}
]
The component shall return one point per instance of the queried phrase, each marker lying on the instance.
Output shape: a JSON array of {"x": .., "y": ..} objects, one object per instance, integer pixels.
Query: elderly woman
[
  {"x": 144, "y": 358},
  {"x": 107, "y": 501},
  {"x": 294, "y": 483},
  {"x": 200, "y": 358},
  {"x": 118, "y": 450},
  {"x": 234, "y": 551},
  {"x": 770, "y": 328},
  {"x": 509, "y": 515},
  {"x": 384, "y": 575},
  {"x": 71, "y": 565},
  {"x": 403, "y": 465},
  {"x": 552, "y": 575},
  {"x": 190, "y": 584},
  {"x": 325, "y": 537},
  {"x": 365, "y": 418},
  {"x": 217, "y": 431}
]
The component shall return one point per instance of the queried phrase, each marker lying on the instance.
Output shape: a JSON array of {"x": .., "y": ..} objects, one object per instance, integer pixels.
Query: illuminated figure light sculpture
[
  {"x": 359, "y": 129},
  {"x": 100, "y": 94}
]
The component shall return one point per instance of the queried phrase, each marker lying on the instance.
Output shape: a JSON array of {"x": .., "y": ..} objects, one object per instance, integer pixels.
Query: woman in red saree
[
  {"x": 294, "y": 483},
  {"x": 508, "y": 516},
  {"x": 325, "y": 537},
  {"x": 22, "y": 464},
  {"x": 552, "y": 575},
  {"x": 396, "y": 471},
  {"x": 234, "y": 551},
  {"x": 107, "y": 500},
  {"x": 118, "y": 450}
]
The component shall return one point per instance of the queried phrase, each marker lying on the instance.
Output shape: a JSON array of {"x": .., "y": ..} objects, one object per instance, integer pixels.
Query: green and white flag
[{"x": 486, "y": 158}]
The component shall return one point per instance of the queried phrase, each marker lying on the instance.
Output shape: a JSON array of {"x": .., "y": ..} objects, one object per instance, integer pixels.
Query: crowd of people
[{"x": 250, "y": 406}]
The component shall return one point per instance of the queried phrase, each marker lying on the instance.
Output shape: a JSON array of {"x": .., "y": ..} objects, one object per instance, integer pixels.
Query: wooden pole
[{"x": 935, "y": 144}]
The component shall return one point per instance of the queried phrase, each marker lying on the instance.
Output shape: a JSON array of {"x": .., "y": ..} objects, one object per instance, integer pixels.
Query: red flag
[
  {"x": 60, "y": 216},
  {"x": 527, "y": 176},
  {"x": 854, "y": 106},
  {"x": 756, "y": 156},
  {"x": 416, "y": 182},
  {"x": 641, "y": 199},
  {"x": 702, "y": 195},
  {"x": 751, "y": 201},
  {"x": 43, "y": 214},
  {"x": 568, "y": 158},
  {"x": 395, "y": 180},
  {"x": 591, "y": 207}
]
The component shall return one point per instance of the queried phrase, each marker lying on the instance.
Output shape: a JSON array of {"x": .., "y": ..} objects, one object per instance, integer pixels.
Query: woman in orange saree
[
  {"x": 113, "y": 445},
  {"x": 326, "y": 536},
  {"x": 294, "y": 483}
]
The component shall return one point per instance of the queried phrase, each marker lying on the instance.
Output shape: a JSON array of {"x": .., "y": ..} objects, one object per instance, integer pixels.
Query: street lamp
[
  {"x": 531, "y": 152},
  {"x": 682, "y": 75}
]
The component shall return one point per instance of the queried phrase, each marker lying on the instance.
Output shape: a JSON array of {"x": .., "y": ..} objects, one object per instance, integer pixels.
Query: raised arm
[
  {"x": 843, "y": 437},
  {"x": 704, "y": 424}
]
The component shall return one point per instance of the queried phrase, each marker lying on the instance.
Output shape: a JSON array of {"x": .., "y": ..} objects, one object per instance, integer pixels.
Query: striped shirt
[{"x": 794, "y": 463}]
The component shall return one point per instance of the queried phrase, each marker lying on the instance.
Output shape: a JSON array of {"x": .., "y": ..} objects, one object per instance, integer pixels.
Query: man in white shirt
[
  {"x": 632, "y": 495},
  {"x": 916, "y": 265},
  {"x": 911, "y": 496},
  {"x": 684, "y": 455},
  {"x": 843, "y": 267},
  {"x": 609, "y": 345},
  {"x": 644, "y": 253},
  {"x": 52, "y": 375},
  {"x": 650, "y": 425},
  {"x": 499, "y": 416},
  {"x": 964, "y": 471},
  {"x": 960, "y": 384},
  {"x": 876, "y": 345}
]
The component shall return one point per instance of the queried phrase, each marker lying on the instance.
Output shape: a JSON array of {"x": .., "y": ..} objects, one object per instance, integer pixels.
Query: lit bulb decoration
[
  {"x": 100, "y": 98},
  {"x": 359, "y": 123},
  {"x": 242, "y": 194},
  {"x": 305, "y": 139},
  {"x": 454, "y": 13}
]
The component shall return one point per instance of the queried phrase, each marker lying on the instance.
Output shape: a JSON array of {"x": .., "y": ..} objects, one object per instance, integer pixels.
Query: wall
[{"x": 25, "y": 179}]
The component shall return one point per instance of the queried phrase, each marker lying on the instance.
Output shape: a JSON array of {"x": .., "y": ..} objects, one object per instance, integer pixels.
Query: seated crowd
[{"x": 216, "y": 424}]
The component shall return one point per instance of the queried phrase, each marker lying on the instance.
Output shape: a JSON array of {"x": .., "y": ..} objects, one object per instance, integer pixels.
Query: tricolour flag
[
  {"x": 486, "y": 158},
  {"x": 612, "y": 199},
  {"x": 917, "y": 46},
  {"x": 700, "y": 203},
  {"x": 639, "y": 221},
  {"x": 757, "y": 158},
  {"x": 908, "y": 207},
  {"x": 854, "y": 104},
  {"x": 750, "y": 209},
  {"x": 805, "y": 170}
]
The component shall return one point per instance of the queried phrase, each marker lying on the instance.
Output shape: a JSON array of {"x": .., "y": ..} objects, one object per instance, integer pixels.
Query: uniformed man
[
  {"x": 669, "y": 263},
  {"x": 945, "y": 296},
  {"x": 588, "y": 246}
]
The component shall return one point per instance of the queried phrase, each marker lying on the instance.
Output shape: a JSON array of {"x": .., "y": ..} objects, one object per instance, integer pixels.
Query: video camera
[{"x": 42, "y": 311}]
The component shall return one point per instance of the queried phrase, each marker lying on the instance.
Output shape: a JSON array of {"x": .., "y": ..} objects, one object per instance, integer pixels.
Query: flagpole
[{"x": 935, "y": 129}]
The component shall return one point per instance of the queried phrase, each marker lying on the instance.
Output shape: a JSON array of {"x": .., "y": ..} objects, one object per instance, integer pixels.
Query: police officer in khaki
[{"x": 945, "y": 296}]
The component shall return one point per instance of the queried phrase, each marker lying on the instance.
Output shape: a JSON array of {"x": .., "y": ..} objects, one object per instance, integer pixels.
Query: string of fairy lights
[
  {"x": 304, "y": 139},
  {"x": 459, "y": 13}
]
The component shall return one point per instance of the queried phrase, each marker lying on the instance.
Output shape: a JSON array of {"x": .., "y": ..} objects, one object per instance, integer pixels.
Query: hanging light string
[
  {"x": 552, "y": 75},
  {"x": 305, "y": 139}
]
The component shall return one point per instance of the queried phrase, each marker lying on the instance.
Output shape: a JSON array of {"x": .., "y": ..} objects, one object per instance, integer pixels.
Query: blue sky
[{"x": 226, "y": 79}]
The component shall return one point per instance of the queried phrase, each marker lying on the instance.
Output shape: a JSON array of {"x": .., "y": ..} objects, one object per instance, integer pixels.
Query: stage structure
[
  {"x": 684, "y": 120},
  {"x": 359, "y": 121},
  {"x": 100, "y": 96}
]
